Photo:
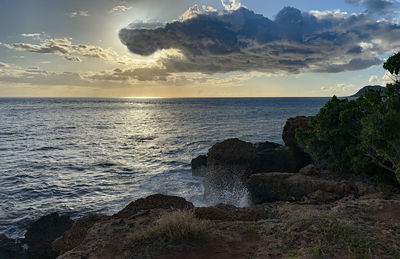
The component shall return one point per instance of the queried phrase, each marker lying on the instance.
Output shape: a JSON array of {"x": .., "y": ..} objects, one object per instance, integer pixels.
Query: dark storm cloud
[{"x": 293, "y": 42}]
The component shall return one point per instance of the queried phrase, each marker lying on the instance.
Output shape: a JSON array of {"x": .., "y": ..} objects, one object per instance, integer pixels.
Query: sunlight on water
[{"x": 76, "y": 156}]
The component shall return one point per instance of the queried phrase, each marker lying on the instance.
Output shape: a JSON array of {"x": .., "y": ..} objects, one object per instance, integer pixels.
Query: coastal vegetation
[{"x": 359, "y": 136}]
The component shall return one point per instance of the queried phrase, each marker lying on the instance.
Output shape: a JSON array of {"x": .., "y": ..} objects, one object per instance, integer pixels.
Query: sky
[{"x": 204, "y": 48}]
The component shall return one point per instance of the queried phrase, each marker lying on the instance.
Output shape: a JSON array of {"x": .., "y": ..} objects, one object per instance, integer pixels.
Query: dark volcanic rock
[
  {"x": 281, "y": 159},
  {"x": 11, "y": 248},
  {"x": 270, "y": 187},
  {"x": 156, "y": 201},
  {"x": 231, "y": 152},
  {"x": 231, "y": 162},
  {"x": 289, "y": 130},
  {"x": 43, "y": 232},
  {"x": 199, "y": 165}
]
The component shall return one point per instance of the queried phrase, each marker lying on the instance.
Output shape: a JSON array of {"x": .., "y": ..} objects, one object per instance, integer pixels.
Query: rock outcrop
[
  {"x": 96, "y": 236},
  {"x": 289, "y": 130},
  {"x": 271, "y": 187},
  {"x": 43, "y": 232},
  {"x": 348, "y": 227},
  {"x": 76, "y": 234},
  {"x": 231, "y": 162},
  {"x": 199, "y": 166},
  {"x": 38, "y": 238}
]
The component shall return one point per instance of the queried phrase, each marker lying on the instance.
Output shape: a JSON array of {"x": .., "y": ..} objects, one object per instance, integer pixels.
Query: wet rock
[
  {"x": 270, "y": 187},
  {"x": 76, "y": 234},
  {"x": 43, "y": 232},
  {"x": 231, "y": 162},
  {"x": 199, "y": 166},
  {"x": 289, "y": 130}
]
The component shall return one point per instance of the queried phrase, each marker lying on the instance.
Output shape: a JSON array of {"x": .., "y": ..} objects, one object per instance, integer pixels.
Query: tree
[
  {"x": 380, "y": 133},
  {"x": 359, "y": 135}
]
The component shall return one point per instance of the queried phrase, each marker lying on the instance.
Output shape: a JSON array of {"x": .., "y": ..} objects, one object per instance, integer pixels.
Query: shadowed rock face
[
  {"x": 289, "y": 130},
  {"x": 199, "y": 165},
  {"x": 273, "y": 187},
  {"x": 38, "y": 238},
  {"x": 43, "y": 232},
  {"x": 231, "y": 162}
]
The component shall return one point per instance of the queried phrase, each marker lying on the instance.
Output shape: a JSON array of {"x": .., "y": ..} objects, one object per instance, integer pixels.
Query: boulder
[
  {"x": 271, "y": 187},
  {"x": 231, "y": 162},
  {"x": 231, "y": 152},
  {"x": 289, "y": 130},
  {"x": 281, "y": 159},
  {"x": 199, "y": 166},
  {"x": 43, "y": 232}
]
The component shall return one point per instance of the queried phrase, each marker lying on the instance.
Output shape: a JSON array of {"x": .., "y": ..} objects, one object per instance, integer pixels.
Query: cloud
[
  {"x": 191, "y": 13},
  {"x": 119, "y": 9},
  {"x": 373, "y": 79},
  {"x": 3, "y": 64},
  {"x": 376, "y": 6},
  {"x": 78, "y": 13},
  {"x": 65, "y": 48},
  {"x": 31, "y": 35},
  {"x": 36, "y": 76},
  {"x": 326, "y": 89},
  {"x": 294, "y": 42},
  {"x": 231, "y": 5}
]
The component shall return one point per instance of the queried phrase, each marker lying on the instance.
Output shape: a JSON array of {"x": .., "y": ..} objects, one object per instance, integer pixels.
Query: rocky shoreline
[{"x": 298, "y": 210}]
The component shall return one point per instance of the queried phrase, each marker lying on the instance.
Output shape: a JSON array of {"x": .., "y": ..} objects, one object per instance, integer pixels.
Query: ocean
[{"x": 79, "y": 155}]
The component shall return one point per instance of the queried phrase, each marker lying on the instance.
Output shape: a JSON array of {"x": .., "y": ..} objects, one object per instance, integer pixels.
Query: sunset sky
[{"x": 176, "y": 48}]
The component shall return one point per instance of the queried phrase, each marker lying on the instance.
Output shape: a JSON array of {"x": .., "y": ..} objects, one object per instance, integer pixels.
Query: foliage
[
  {"x": 380, "y": 135},
  {"x": 358, "y": 135},
  {"x": 333, "y": 141},
  {"x": 392, "y": 64}
]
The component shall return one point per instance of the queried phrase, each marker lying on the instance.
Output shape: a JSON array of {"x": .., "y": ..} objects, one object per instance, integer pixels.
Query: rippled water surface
[{"x": 76, "y": 156}]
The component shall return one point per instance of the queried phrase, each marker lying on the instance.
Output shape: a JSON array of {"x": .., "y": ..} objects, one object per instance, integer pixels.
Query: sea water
[{"x": 79, "y": 155}]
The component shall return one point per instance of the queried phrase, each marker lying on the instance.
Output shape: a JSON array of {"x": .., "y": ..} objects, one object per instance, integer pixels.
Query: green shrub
[{"x": 359, "y": 136}]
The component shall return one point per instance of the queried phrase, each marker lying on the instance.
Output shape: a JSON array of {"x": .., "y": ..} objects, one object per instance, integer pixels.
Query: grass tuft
[{"x": 180, "y": 226}]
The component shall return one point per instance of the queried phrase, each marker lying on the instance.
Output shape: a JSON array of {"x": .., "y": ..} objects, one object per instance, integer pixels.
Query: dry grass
[{"x": 180, "y": 225}]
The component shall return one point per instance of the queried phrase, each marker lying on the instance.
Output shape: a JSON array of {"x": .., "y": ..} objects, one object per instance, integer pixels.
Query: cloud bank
[
  {"x": 65, "y": 48},
  {"x": 240, "y": 40}
]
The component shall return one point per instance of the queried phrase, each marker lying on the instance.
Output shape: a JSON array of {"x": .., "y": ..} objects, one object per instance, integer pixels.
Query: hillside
[{"x": 365, "y": 88}]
